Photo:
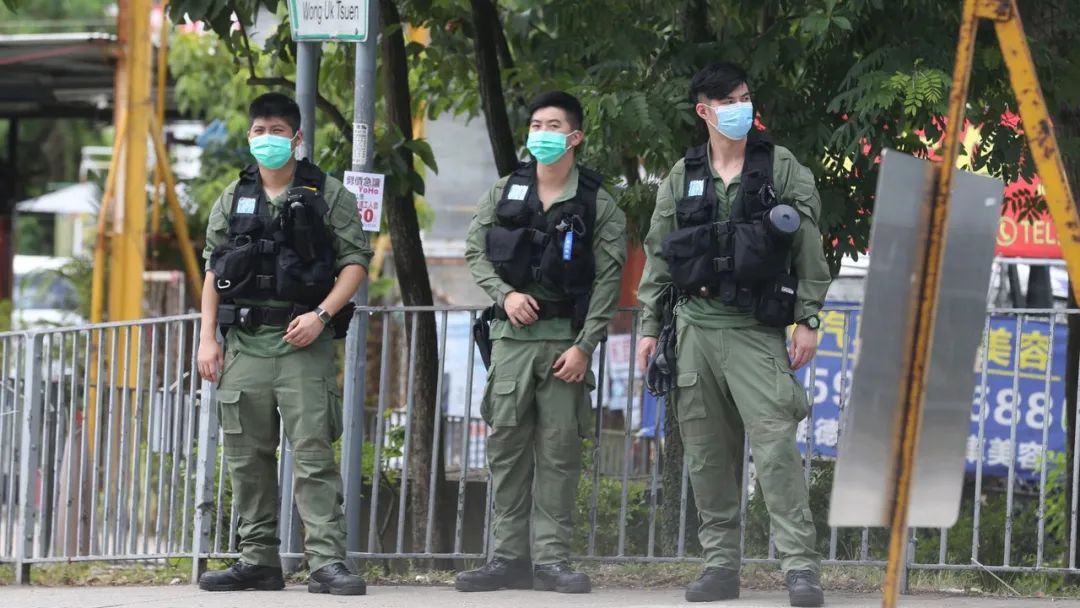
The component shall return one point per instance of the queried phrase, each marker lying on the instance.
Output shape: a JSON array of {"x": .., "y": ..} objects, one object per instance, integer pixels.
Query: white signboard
[
  {"x": 368, "y": 188},
  {"x": 345, "y": 20}
]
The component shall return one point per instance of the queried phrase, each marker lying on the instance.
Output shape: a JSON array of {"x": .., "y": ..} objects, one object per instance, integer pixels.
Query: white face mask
[{"x": 733, "y": 121}]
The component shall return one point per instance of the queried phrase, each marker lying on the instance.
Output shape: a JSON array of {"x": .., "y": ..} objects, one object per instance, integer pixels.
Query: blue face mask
[
  {"x": 734, "y": 121},
  {"x": 547, "y": 147},
  {"x": 271, "y": 151}
]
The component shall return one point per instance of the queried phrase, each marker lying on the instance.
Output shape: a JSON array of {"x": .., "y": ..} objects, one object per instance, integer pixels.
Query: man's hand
[
  {"x": 304, "y": 329},
  {"x": 210, "y": 359},
  {"x": 571, "y": 365},
  {"x": 803, "y": 346},
  {"x": 521, "y": 308},
  {"x": 646, "y": 346}
]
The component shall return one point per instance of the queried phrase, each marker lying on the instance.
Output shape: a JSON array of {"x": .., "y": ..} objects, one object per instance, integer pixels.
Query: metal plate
[{"x": 862, "y": 491}]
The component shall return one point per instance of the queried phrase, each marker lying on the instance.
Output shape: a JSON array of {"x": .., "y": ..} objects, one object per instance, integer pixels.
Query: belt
[
  {"x": 548, "y": 310},
  {"x": 250, "y": 317}
]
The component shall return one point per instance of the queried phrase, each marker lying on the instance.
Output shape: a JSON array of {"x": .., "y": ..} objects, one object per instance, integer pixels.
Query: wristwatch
[
  {"x": 813, "y": 322},
  {"x": 323, "y": 315}
]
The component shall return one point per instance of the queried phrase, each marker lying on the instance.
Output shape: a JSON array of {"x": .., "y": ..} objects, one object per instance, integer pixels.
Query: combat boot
[
  {"x": 560, "y": 578},
  {"x": 804, "y": 588},
  {"x": 497, "y": 574},
  {"x": 241, "y": 576},
  {"x": 336, "y": 579},
  {"x": 714, "y": 584}
]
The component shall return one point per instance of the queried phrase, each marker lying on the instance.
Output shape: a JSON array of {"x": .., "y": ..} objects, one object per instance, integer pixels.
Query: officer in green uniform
[
  {"x": 547, "y": 243},
  {"x": 285, "y": 252},
  {"x": 735, "y": 234}
]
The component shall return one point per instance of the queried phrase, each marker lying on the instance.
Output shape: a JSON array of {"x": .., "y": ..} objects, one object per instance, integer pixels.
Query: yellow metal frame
[{"x": 1040, "y": 136}]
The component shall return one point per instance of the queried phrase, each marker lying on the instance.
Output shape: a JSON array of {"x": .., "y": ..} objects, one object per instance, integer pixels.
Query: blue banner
[
  {"x": 1015, "y": 353},
  {"x": 1021, "y": 360}
]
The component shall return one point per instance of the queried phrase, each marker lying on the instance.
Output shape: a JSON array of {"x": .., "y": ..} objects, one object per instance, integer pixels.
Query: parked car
[{"x": 42, "y": 297}]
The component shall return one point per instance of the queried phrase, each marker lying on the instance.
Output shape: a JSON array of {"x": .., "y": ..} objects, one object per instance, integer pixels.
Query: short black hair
[
  {"x": 275, "y": 105},
  {"x": 716, "y": 81},
  {"x": 560, "y": 99}
]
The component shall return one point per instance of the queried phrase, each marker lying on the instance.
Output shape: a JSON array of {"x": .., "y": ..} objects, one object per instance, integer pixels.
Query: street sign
[
  {"x": 368, "y": 188},
  {"x": 344, "y": 20},
  {"x": 863, "y": 488}
]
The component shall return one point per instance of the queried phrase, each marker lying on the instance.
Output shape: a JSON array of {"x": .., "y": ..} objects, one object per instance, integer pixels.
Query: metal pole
[
  {"x": 29, "y": 456},
  {"x": 356, "y": 340},
  {"x": 307, "y": 80}
]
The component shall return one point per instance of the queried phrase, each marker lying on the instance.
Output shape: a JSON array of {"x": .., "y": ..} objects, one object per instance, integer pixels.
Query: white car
[{"x": 42, "y": 297}]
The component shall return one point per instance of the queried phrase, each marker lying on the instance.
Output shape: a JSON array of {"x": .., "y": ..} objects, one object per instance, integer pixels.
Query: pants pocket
[
  {"x": 229, "y": 411},
  {"x": 689, "y": 397},
  {"x": 335, "y": 414},
  {"x": 789, "y": 392},
  {"x": 501, "y": 404},
  {"x": 586, "y": 428}
]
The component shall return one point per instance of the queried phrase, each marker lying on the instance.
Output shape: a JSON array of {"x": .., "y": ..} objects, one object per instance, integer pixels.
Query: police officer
[
  {"x": 285, "y": 251},
  {"x": 547, "y": 243},
  {"x": 735, "y": 233}
]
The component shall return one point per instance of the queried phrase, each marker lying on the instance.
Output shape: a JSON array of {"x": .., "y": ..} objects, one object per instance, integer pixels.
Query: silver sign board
[{"x": 863, "y": 486}]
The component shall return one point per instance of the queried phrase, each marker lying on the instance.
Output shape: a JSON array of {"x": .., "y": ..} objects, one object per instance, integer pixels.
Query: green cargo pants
[
  {"x": 534, "y": 448},
  {"x": 729, "y": 379},
  {"x": 255, "y": 395}
]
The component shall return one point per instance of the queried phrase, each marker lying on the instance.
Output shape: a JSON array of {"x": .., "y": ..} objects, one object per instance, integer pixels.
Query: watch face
[{"x": 813, "y": 322}]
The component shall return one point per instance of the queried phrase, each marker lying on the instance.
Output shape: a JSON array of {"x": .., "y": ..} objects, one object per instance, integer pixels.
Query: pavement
[{"x": 296, "y": 596}]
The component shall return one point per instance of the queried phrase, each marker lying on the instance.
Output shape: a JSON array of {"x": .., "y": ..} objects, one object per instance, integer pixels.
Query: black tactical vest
[
  {"x": 745, "y": 259},
  {"x": 526, "y": 245},
  {"x": 285, "y": 257}
]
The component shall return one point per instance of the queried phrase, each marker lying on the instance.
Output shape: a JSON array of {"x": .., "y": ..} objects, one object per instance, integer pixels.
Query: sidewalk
[{"x": 187, "y": 596}]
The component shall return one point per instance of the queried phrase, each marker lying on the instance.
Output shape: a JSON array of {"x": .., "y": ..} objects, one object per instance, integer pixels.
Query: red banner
[{"x": 1030, "y": 238}]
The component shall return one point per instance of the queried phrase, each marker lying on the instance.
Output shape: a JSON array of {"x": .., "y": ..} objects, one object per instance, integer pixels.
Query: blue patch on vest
[{"x": 246, "y": 204}]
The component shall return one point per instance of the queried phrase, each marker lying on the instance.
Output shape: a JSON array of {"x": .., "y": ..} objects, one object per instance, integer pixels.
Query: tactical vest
[
  {"x": 745, "y": 259},
  {"x": 525, "y": 245},
  {"x": 289, "y": 256}
]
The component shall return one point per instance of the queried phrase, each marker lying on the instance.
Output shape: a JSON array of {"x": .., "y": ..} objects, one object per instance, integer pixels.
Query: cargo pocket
[
  {"x": 500, "y": 407},
  {"x": 334, "y": 411},
  {"x": 689, "y": 400},
  {"x": 790, "y": 394},
  {"x": 586, "y": 428},
  {"x": 229, "y": 411}
]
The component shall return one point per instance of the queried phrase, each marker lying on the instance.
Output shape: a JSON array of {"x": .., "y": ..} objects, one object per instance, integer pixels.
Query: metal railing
[{"x": 109, "y": 451}]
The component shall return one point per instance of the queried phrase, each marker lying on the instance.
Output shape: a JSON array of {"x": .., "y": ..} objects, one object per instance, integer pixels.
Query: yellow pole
[
  {"x": 97, "y": 284},
  {"x": 187, "y": 252},
  {"x": 131, "y": 233},
  {"x": 926, "y": 311},
  {"x": 162, "y": 83}
]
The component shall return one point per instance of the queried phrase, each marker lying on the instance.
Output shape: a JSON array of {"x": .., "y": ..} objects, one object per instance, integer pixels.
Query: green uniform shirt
[
  {"x": 350, "y": 244},
  {"x": 609, "y": 249},
  {"x": 794, "y": 185}
]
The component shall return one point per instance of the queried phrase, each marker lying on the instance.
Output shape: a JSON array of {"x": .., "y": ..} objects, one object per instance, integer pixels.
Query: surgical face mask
[
  {"x": 733, "y": 121},
  {"x": 547, "y": 147},
  {"x": 271, "y": 151}
]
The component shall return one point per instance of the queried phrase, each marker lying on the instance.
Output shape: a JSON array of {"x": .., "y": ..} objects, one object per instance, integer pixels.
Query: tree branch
[{"x": 321, "y": 102}]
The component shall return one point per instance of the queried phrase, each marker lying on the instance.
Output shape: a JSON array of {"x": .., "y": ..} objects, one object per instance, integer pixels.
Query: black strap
[
  {"x": 696, "y": 164},
  {"x": 250, "y": 317}
]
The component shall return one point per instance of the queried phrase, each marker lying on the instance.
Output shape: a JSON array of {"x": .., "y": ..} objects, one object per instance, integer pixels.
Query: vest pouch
[
  {"x": 776, "y": 303},
  {"x": 300, "y": 282},
  {"x": 693, "y": 211},
  {"x": 234, "y": 267},
  {"x": 514, "y": 213},
  {"x": 510, "y": 252},
  {"x": 690, "y": 253},
  {"x": 573, "y": 276},
  {"x": 759, "y": 256}
]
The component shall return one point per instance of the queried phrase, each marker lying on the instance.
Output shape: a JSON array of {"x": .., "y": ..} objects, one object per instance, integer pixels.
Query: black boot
[
  {"x": 497, "y": 574},
  {"x": 804, "y": 588},
  {"x": 241, "y": 576},
  {"x": 560, "y": 578},
  {"x": 336, "y": 579},
  {"x": 713, "y": 585}
]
